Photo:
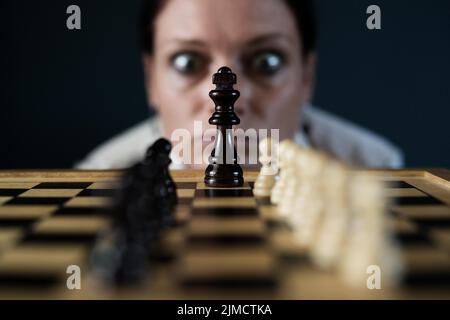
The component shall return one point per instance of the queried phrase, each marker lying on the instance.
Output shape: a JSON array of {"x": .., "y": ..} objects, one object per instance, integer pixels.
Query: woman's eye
[
  {"x": 267, "y": 63},
  {"x": 187, "y": 63}
]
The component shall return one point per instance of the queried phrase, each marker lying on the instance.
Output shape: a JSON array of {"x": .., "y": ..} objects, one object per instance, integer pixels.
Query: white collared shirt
[{"x": 335, "y": 136}]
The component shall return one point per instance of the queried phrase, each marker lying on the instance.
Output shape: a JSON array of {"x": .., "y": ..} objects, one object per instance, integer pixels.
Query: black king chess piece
[{"x": 223, "y": 169}]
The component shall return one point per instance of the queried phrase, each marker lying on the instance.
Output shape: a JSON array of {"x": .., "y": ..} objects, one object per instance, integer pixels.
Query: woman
[{"x": 270, "y": 45}]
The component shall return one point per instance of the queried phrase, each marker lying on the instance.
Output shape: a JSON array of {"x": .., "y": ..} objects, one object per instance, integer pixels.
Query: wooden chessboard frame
[{"x": 440, "y": 175}]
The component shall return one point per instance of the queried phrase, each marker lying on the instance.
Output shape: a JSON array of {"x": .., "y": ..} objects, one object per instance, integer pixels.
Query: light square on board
[
  {"x": 185, "y": 193},
  {"x": 88, "y": 202},
  {"x": 104, "y": 185},
  {"x": 41, "y": 258},
  {"x": 17, "y": 185},
  {"x": 404, "y": 192},
  {"x": 71, "y": 224},
  {"x": 217, "y": 226},
  {"x": 202, "y": 185},
  {"x": 26, "y": 211},
  {"x": 423, "y": 212},
  {"x": 4, "y": 199},
  {"x": 51, "y": 193},
  {"x": 245, "y": 202}
]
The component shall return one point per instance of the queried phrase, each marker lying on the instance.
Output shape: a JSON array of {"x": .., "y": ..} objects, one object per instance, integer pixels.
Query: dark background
[{"x": 63, "y": 92}]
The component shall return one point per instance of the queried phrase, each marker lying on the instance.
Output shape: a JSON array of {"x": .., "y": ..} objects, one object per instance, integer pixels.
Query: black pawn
[
  {"x": 223, "y": 169},
  {"x": 158, "y": 160},
  {"x": 121, "y": 255},
  {"x": 143, "y": 206}
]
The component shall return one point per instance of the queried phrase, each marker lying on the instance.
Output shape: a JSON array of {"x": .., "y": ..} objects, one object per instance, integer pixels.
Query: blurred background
[{"x": 63, "y": 92}]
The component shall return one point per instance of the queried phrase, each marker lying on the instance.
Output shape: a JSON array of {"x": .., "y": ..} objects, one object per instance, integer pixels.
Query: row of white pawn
[{"x": 337, "y": 215}]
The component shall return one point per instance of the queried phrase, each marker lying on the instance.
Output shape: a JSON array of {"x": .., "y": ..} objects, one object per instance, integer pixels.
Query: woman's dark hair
[{"x": 303, "y": 11}]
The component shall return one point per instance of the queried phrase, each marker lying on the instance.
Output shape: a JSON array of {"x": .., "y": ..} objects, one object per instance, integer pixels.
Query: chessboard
[{"x": 226, "y": 243}]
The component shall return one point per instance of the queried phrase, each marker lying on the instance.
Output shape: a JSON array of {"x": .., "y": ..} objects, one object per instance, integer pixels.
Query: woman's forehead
[{"x": 230, "y": 21}]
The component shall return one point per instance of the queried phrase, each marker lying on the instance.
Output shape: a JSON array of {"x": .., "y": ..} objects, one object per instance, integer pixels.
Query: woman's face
[{"x": 257, "y": 39}]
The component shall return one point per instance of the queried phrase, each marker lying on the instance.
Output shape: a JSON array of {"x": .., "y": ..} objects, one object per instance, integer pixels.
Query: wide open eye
[
  {"x": 188, "y": 63},
  {"x": 266, "y": 63}
]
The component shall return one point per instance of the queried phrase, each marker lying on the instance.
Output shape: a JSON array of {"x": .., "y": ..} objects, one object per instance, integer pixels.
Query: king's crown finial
[{"x": 224, "y": 78}]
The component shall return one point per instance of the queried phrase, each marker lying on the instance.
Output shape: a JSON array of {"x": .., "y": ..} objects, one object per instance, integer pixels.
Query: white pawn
[
  {"x": 368, "y": 242},
  {"x": 280, "y": 185},
  {"x": 328, "y": 245},
  {"x": 290, "y": 189},
  {"x": 267, "y": 176},
  {"x": 309, "y": 203}
]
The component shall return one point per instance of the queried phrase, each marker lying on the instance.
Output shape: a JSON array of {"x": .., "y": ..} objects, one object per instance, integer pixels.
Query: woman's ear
[
  {"x": 309, "y": 76},
  {"x": 148, "y": 64}
]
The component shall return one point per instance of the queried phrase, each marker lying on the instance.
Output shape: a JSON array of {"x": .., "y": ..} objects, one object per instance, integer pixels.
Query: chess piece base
[{"x": 224, "y": 176}]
